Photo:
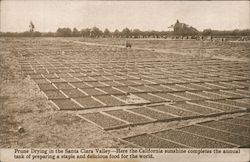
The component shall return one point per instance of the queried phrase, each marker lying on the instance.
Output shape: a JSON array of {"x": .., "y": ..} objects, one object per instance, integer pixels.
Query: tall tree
[{"x": 31, "y": 26}]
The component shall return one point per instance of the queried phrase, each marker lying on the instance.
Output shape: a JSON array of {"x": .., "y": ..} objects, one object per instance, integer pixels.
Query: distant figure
[{"x": 128, "y": 45}]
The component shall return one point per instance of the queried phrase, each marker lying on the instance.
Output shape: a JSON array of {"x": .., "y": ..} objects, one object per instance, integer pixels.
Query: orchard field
[{"x": 78, "y": 92}]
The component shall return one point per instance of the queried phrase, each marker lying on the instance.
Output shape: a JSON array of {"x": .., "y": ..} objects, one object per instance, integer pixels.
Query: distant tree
[
  {"x": 126, "y": 33},
  {"x": 76, "y": 33},
  {"x": 146, "y": 34},
  {"x": 48, "y": 34},
  {"x": 164, "y": 34},
  {"x": 236, "y": 32},
  {"x": 116, "y": 33},
  {"x": 63, "y": 32},
  {"x": 31, "y": 26},
  {"x": 245, "y": 32},
  {"x": 85, "y": 32},
  {"x": 36, "y": 34},
  {"x": 207, "y": 32},
  {"x": 136, "y": 33},
  {"x": 106, "y": 33},
  {"x": 95, "y": 32},
  {"x": 25, "y": 34}
]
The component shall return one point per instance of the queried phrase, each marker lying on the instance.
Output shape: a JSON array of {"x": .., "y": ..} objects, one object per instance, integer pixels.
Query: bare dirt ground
[
  {"x": 216, "y": 49},
  {"x": 24, "y": 105}
]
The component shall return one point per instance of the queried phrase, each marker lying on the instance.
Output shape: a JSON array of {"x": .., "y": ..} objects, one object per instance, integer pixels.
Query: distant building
[{"x": 182, "y": 29}]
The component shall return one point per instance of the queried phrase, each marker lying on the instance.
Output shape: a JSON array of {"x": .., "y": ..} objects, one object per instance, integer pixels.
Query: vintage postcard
[{"x": 124, "y": 80}]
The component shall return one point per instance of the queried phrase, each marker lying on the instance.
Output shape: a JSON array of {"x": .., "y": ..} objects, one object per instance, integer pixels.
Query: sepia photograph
[{"x": 124, "y": 74}]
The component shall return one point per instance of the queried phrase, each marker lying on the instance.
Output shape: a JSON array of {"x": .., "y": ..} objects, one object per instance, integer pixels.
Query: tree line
[
  {"x": 95, "y": 32},
  {"x": 92, "y": 33},
  {"x": 236, "y": 32}
]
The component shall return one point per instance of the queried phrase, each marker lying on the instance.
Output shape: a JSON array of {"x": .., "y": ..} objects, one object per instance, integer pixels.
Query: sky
[{"x": 47, "y": 15}]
